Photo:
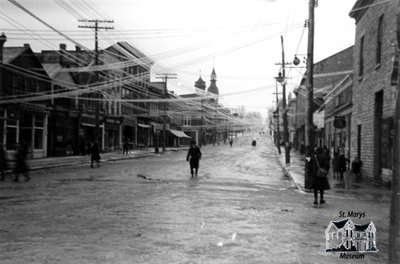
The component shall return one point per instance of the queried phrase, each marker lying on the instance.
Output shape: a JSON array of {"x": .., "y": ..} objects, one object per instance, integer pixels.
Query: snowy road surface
[{"x": 240, "y": 209}]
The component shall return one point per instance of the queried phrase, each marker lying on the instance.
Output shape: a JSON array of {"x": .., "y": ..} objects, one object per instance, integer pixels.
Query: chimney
[
  {"x": 26, "y": 45},
  {"x": 77, "y": 48},
  {"x": 63, "y": 47},
  {"x": 3, "y": 39}
]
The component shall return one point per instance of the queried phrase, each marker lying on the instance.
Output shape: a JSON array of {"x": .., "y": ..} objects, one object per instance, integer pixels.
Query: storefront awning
[
  {"x": 179, "y": 134},
  {"x": 144, "y": 125}
]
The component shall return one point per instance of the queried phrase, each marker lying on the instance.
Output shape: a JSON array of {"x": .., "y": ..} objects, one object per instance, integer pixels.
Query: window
[
  {"x": 187, "y": 121},
  {"x": 38, "y": 128},
  {"x": 11, "y": 130},
  {"x": 379, "y": 40},
  {"x": 361, "y": 58},
  {"x": 25, "y": 128}
]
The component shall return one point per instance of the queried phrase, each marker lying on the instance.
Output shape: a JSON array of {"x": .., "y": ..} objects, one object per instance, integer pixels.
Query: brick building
[
  {"x": 373, "y": 95},
  {"x": 328, "y": 73},
  {"x": 22, "y": 76}
]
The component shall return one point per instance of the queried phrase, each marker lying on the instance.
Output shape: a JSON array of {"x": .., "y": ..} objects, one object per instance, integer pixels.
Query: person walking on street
[
  {"x": 95, "y": 154},
  {"x": 125, "y": 147},
  {"x": 231, "y": 142},
  {"x": 193, "y": 156},
  {"x": 319, "y": 168},
  {"x": 342, "y": 164},
  {"x": 356, "y": 165},
  {"x": 3, "y": 162},
  {"x": 21, "y": 166}
]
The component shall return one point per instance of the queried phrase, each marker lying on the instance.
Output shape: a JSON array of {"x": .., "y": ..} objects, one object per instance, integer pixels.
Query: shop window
[
  {"x": 38, "y": 134},
  {"x": 11, "y": 138},
  {"x": 38, "y": 138}
]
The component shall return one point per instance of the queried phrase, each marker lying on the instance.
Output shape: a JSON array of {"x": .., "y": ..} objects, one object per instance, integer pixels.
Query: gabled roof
[
  {"x": 51, "y": 68},
  {"x": 342, "y": 223},
  {"x": 62, "y": 78},
  {"x": 363, "y": 227},
  {"x": 11, "y": 53},
  {"x": 131, "y": 53}
]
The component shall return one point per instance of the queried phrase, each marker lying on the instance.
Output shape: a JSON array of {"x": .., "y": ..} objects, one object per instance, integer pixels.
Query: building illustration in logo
[{"x": 344, "y": 236}]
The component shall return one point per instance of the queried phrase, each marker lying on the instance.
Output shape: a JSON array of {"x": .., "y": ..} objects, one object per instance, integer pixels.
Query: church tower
[
  {"x": 200, "y": 84},
  {"x": 213, "y": 85}
]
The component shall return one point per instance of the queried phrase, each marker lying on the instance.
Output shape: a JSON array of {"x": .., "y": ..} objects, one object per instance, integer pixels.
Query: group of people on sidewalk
[
  {"x": 320, "y": 165},
  {"x": 21, "y": 166}
]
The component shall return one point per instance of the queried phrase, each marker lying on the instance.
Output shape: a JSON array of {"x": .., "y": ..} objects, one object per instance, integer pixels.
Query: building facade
[
  {"x": 373, "y": 95},
  {"x": 22, "y": 76}
]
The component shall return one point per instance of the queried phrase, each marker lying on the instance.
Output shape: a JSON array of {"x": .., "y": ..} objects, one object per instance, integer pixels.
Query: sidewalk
[
  {"x": 37, "y": 164},
  {"x": 295, "y": 170}
]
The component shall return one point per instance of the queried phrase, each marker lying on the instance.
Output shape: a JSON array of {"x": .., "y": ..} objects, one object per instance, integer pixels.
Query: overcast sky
[{"x": 241, "y": 38}]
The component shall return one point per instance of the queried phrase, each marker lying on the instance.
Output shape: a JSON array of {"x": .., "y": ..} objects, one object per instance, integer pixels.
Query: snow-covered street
[{"x": 240, "y": 209}]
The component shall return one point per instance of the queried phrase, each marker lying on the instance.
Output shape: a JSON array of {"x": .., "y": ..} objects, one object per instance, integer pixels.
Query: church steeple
[{"x": 213, "y": 85}]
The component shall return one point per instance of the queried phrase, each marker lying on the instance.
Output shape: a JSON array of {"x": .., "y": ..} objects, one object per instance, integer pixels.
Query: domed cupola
[{"x": 200, "y": 84}]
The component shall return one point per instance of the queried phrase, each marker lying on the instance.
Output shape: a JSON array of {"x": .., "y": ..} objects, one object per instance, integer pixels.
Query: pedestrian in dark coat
[
  {"x": 319, "y": 181},
  {"x": 3, "y": 162},
  {"x": 95, "y": 154},
  {"x": 231, "y": 142},
  {"x": 342, "y": 164},
  {"x": 193, "y": 156},
  {"x": 21, "y": 167},
  {"x": 125, "y": 148},
  {"x": 356, "y": 165}
]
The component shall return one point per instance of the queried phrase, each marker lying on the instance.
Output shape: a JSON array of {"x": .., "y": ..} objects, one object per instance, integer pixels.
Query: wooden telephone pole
[
  {"x": 284, "y": 107},
  {"x": 96, "y": 27},
  {"x": 165, "y": 77},
  {"x": 309, "y": 133},
  {"x": 278, "y": 132}
]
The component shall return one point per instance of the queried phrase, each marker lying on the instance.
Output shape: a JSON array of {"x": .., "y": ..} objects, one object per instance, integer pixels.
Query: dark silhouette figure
[
  {"x": 89, "y": 148},
  {"x": 356, "y": 165},
  {"x": 21, "y": 166},
  {"x": 342, "y": 165},
  {"x": 125, "y": 147},
  {"x": 193, "y": 156},
  {"x": 95, "y": 154},
  {"x": 3, "y": 162},
  {"x": 231, "y": 142},
  {"x": 319, "y": 180},
  {"x": 335, "y": 164}
]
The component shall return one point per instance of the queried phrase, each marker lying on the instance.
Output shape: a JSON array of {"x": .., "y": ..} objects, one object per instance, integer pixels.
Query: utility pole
[
  {"x": 394, "y": 228},
  {"x": 284, "y": 112},
  {"x": 165, "y": 77},
  {"x": 96, "y": 27},
  {"x": 278, "y": 136},
  {"x": 309, "y": 134}
]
